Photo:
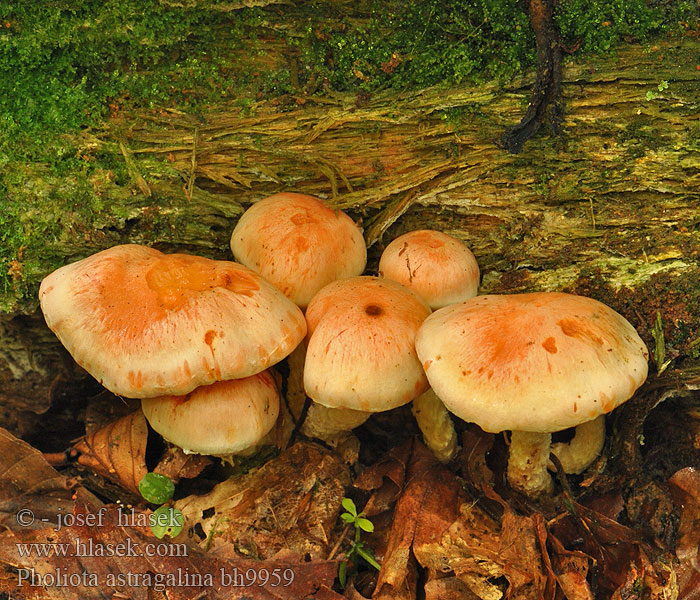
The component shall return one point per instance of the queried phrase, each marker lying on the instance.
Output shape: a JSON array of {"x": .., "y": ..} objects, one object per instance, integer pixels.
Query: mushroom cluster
[{"x": 195, "y": 339}]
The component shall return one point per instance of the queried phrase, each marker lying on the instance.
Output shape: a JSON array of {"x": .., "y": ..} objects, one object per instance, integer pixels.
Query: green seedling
[
  {"x": 653, "y": 94},
  {"x": 361, "y": 523},
  {"x": 165, "y": 520}
]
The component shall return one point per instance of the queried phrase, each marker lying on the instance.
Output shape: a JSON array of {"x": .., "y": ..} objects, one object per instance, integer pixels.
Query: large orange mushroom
[
  {"x": 533, "y": 364},
  {"x": 149, "y": 324}
]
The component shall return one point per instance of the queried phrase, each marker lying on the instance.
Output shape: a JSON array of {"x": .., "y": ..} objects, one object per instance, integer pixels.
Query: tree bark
[{"x": 613, "y": 214}]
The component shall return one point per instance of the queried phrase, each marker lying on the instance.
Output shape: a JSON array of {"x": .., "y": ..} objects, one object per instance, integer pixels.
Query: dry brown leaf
[
  {"x": 175, "y": 464},
  {"x": 117, "y": 451},
  {"x": 448, "y": 588},
  {"x": 385, "y": 479},
  {"x": 427, "y": 506},
  {"x": 106, "y": 407},
  {"x": 405, "y": 589},
  {"x": 291, "y": 502},
  {"x": 685, "y": 488},
  {"x": 626, "y": 565},
  {"x": 571, "y": 569},
  {"x": 29, "y": 484}
]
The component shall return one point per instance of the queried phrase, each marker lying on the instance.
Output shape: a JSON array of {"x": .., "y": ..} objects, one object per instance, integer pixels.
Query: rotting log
[{"x": 611, "y": 210}]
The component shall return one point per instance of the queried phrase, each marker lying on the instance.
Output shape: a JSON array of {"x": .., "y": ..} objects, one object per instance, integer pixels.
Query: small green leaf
[
  {"x": 156, "y": 488},
  {"x": 349, "y": 505},
  {"x": 342, "y": 573},
  {"x": 347, "y": 517},
  {"x": 367, "y": 555},
  {"x": 365, "y": 525},
  {"x": 166, "y": 520}
]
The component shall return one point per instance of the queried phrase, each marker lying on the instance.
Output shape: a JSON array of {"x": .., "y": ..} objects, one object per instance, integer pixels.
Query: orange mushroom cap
[
  {"x": 219, "y": 419},
  {"x": 537, "y": 362},
  {"x": 299, "y": 244},
  {"x": 360, "y": 352},
  {"x": 148, "y": 324},
  {"x": 438, "y": 267}
]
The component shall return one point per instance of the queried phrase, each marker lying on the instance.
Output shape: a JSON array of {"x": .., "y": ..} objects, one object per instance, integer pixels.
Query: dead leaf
[
  {"x": 481, "y": 551},
  {"x": 32, "y": 493},
  {"x": 685, "y": 489},
  {"x": 448, "y": 588},
  {"x": 626, "y": 565},
  {"x": 428, "y": 505},
  {"x": 117, "y": 451},
  {"x": 105, "y": 408},
  {"x": 175, "y": 464},
  {"x": 571, "y": 569},
  {"x": 292, "y": 502},
  {"x": 385, "y": 479},
  {"x": 98, "y": 557}
]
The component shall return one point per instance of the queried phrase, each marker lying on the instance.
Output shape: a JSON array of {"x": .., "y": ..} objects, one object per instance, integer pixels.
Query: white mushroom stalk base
[
  {"x": 436, "y": 424},
  {"x": 587, "y": 443},
  {"x": 527, "y": 463}
]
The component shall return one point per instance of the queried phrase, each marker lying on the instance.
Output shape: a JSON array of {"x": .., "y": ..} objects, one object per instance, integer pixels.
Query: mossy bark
[{"x": 610, "y": 211}]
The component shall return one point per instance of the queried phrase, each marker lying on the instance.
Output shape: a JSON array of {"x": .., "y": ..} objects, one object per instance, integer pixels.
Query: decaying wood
[{"x": 614, "y": 214}]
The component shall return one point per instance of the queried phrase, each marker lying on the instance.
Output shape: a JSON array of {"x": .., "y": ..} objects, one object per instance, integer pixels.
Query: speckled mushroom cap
[
  {"x": 537, "y": 362},
  {"x": 219, "y": 419},
  {"x": 147, "y": 324},
  {"x": 299, "y": 244},
  {"x": 438, "y": 267},
  {"x": 360, "y": 351}
]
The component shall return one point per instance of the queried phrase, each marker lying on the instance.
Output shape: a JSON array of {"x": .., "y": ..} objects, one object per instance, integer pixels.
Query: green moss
[{"x": 65, "y": 66}]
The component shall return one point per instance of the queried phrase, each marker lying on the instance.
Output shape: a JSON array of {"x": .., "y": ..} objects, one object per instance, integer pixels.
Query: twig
[
  {"x": 340, "y": 541},
  {"x": 134, "y": 172},
  {"x": 193, "y": 167},
  {"x": 546, "y": 93}
]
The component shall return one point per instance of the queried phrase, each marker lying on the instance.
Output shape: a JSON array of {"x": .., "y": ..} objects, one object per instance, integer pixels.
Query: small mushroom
[
  {"x": 442, "y": 271},
  {"x": 436, "y": 266},
  {"x": 533, "y": 364},
  {"x": 221, "y": 419},
  {"x": 149, "y": 324},
  {"x": 360, "y": 351},
  {"x": 299, "y": 244}
]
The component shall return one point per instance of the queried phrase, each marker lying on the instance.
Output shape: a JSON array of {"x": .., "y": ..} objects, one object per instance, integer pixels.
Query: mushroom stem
[
  {"x": 327, "y": 423},
  {"x": 436, "y": 425},
  {"x": 587, "y": 443},
  {"x": 527, "y": 463}
]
